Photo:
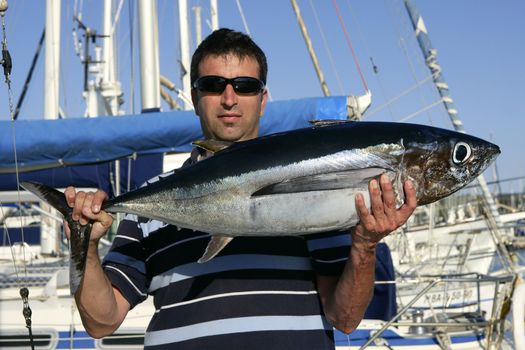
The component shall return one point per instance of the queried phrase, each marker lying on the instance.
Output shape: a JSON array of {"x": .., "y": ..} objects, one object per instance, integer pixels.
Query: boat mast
[
  {"x": 214, "y": 9},
  {"x": 50, "y": 228},
  {"x": 52, "y": 60},
  {"x": 198, "y": 31},
  {"x": 109, "y": 85},
  {"x": 149, "y": 56},
  {"x": 310, "y": 48},
  {"x": 184, "y": 52},
  {"x": 430, "y": 55}
]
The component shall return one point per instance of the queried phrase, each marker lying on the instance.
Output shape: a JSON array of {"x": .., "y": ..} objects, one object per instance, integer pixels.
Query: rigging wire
[
  {"x": 400, "y": 95},
  {"x": 399, "y": 16},
  {"x": 349, "y": 42},
  {"x": 29, "y": 75},
  {"x": 117, "y": 17},
  {"x": 243, "y": 18},
  {"x": 369, "y": 53},
  {"x": 327, "y": 48},
  {"x": 7, "y": 65},
  {"x": 423, "y": 109},
  {"x": 247, "y": 30}
]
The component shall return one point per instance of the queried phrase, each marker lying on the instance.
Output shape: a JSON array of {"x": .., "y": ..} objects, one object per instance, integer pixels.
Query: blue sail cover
[{"x": 60, "y": 144}]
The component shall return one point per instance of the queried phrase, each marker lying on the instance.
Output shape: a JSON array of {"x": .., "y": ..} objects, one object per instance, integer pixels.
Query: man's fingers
[
  {"x": 365, "y": 217},
  {"x": 410, "y": 201},
  {"x": 376, "y": 201},
  {"x": 87, "y": 212},
  {"x": 79, "y": 205},
  {"x": 389, "y": 196},
  {"x": 70, "y": 194},
  {"x": 105, "y": 220},
  {"x": 98, "y": 199}
]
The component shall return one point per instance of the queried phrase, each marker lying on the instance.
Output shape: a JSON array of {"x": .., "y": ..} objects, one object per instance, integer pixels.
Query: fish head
[{"x": 447, "y": 163}]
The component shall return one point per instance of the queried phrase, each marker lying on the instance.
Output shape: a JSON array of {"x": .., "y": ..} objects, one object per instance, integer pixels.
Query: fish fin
[
  {"x": 79, "y": 237},
  {"x": 78, "y": 247},
  {"x": 216, "y": 244},
  {"x": 328, "y": 122},
  {"x": 48, "y": 194},
  {"x": 212, "y": 145},
  {"x": 357, "y": 178}
]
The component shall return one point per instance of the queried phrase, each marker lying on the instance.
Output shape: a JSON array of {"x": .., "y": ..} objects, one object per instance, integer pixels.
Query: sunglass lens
[
  {"x": 247, "y": 85},
  {"x": 212, "y": 84}
]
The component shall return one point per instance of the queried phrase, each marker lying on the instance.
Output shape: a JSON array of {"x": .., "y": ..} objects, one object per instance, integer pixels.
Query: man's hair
[{"x": 225, "y": 41}]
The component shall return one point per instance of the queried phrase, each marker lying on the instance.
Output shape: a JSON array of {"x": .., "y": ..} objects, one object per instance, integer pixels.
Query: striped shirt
[{"x": 257, "y": 293}]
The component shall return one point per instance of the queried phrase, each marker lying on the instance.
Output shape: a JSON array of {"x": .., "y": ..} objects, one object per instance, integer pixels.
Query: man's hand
[
  {"x": 384, "y": 217},
  {"x": 87, "y": 206}
]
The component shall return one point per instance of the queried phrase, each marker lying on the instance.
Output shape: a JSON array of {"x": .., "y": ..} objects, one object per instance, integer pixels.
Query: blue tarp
[
  {"x": 42, "y": 144},
  {"x": 92, "y": 175}
]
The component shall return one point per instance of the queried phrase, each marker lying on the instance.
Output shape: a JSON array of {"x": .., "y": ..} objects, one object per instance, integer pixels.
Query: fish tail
[
  {"x": 79, "y": 237},
  {"x": 49, "y": 195}
]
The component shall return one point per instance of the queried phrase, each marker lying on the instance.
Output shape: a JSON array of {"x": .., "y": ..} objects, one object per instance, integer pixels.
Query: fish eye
[{"x": 461, "y": 153}]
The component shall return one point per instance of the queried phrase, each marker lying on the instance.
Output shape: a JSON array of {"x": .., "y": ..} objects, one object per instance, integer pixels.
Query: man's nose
[{"x": 229, "y": 97}]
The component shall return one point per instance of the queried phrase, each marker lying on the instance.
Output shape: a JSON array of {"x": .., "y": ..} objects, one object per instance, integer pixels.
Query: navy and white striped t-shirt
[{"x": 257, "y": 293}]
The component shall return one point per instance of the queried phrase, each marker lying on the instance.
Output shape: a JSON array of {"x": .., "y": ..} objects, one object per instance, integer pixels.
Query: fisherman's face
[{"x": 229, "y": 116}]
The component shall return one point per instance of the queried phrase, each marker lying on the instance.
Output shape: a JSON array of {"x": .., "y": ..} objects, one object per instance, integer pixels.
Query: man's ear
[
  {"x": 195, "y": 100},
  {"x": 264, "y": 99}
]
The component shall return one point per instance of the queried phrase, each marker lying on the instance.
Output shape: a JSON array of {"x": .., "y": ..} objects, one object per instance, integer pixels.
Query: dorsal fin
[
  {"x": 212, "y": 145},
  {"x": 328, "y": 122}
]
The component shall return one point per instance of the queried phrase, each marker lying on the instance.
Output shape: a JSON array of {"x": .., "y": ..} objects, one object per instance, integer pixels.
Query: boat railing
[{"x": 440, "y": 324}]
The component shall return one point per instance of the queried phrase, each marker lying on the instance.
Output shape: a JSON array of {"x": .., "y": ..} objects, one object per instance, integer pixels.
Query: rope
[
  {"x": 399, "y": 96},
  {"x": 327, "y": 48},
  {"x": 7, "y": 65},
  {"x": 241, "y": 12},
  {"x": 424, "y": 109},
  {"x": 29, "y": 76},
  {"x": 117, "y": 17},
  {"x": 349, "y": 42},
  {"x": 247, "y": 30}
]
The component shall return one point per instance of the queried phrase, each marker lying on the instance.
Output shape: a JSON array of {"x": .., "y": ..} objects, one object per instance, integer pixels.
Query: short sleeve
[
  {"x": 125, "y": 263},
  {"x": 329, "y": 251}
]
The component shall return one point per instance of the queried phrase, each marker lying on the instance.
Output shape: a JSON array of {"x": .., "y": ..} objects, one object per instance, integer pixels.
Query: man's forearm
[
  {"x": 96, "y": 299},
  {"x": 353, "y": 290}
]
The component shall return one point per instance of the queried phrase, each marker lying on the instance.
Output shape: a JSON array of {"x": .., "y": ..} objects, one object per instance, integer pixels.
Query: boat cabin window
[
  {"x": 21, "y": 341},
  {"x": 122, "y": 341}
]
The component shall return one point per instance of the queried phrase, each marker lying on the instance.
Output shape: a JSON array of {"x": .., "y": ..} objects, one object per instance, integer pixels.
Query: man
[{"x": 259, "y": 292}]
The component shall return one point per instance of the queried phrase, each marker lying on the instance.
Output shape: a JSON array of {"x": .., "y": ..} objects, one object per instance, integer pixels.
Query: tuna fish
[{"x": 293, "y": 183}]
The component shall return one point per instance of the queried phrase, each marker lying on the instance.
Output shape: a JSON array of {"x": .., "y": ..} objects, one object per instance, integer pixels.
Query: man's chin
[
  {"x": 234, "y": 135},
  {"x": 230, "y": 134},
  {"x": 229, "y": 137}
]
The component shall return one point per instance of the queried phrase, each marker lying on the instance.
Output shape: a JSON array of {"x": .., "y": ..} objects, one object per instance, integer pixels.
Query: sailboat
[{"x": 459, "y": 307}]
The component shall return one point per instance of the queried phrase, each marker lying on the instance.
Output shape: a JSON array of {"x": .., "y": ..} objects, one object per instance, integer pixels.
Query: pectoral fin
[
  {"x": 216, "y": 244},
  {"x": 357, "y": 178},
  {"x": 212, "y": 145}
]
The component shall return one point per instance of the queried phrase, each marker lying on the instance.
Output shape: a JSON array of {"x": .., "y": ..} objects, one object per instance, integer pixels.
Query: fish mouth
[{"x": 493, "y": 151}]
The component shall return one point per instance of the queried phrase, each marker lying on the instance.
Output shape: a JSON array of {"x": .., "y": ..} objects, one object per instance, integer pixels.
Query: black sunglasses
[{"x": 216, "y": 84}]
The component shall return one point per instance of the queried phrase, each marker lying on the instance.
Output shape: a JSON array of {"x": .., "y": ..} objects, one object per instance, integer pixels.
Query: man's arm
[
  {"x": 102, "y": 307},
  {"x": 346, "y": 297}
]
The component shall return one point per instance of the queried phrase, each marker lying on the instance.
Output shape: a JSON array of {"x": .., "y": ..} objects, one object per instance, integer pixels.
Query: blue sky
[{"x": 480, "y": 45}]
